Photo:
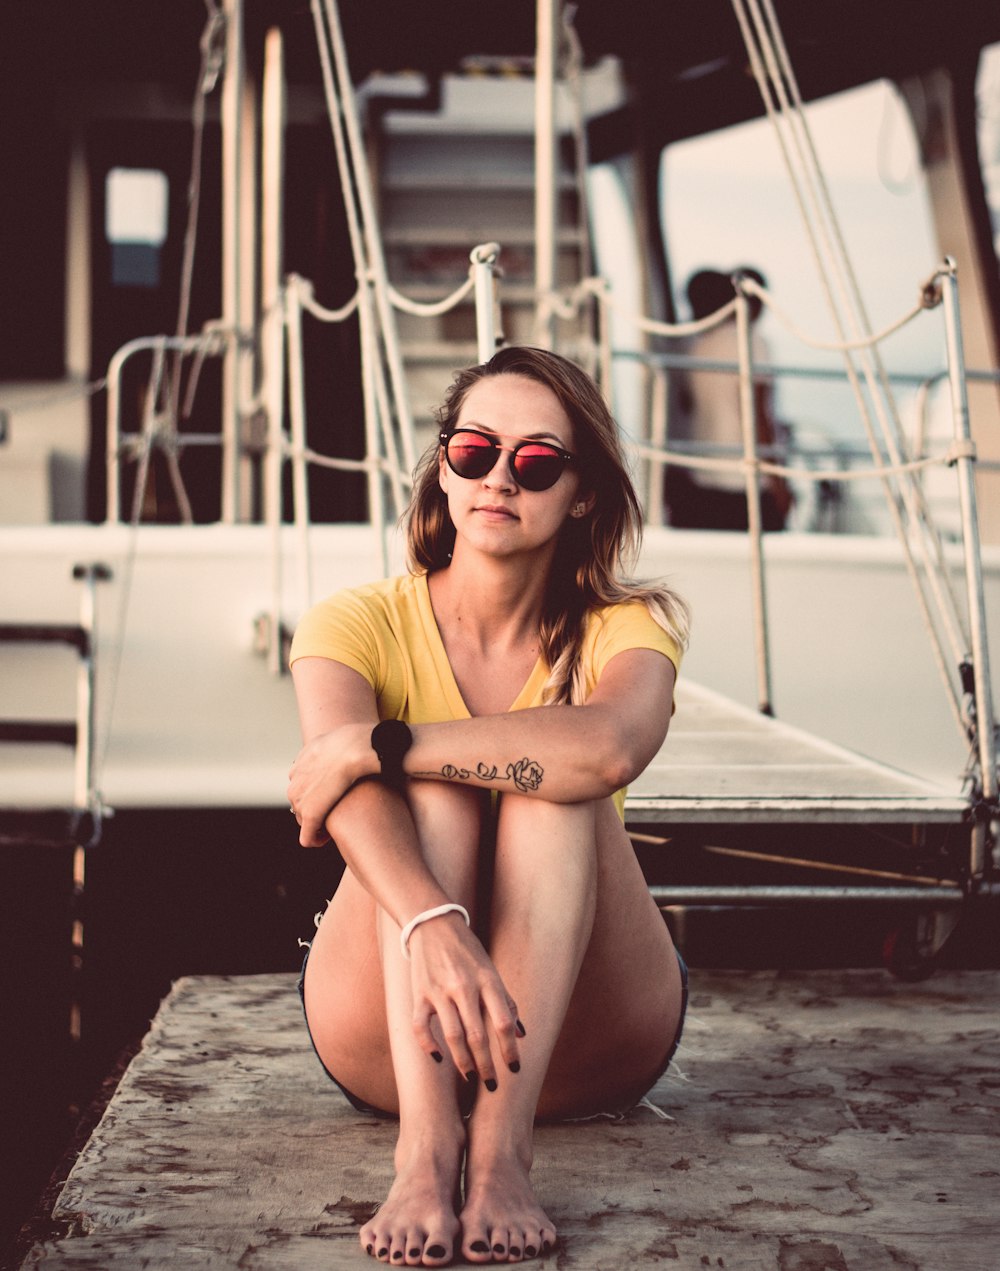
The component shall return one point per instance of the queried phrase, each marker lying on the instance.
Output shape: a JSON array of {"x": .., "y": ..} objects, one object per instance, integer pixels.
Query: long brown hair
[{"x": 593, "y": 552}]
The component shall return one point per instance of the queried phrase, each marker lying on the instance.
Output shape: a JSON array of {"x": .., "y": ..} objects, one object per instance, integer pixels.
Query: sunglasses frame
[{"x": 565, "y": 455}]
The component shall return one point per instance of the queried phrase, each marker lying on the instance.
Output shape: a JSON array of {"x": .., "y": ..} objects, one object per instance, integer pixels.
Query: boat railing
[
  {"x": 957, "y": 633},
  {"x": 958, "y": 637}
]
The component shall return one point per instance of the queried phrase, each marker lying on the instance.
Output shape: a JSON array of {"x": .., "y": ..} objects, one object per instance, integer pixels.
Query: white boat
[{"x": 155, "y": 557}]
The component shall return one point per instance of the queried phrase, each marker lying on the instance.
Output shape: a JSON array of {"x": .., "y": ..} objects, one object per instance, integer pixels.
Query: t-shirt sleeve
[
  {"x": 345, "y": 628},
  {"x": 630, "y": 626}
]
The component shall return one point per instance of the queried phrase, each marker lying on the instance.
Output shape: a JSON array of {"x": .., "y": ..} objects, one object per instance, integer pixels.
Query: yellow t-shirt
[{"x": 387, "y": 632}]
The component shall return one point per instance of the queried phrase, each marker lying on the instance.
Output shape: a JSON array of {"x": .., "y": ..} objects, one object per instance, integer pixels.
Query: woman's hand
[
  {"x": 324, "y": 770},
  {"x": 454, "y": 980}
]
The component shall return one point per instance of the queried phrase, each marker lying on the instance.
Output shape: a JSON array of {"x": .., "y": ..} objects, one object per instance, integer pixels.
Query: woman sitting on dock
[{"x": 492, "y": 954}]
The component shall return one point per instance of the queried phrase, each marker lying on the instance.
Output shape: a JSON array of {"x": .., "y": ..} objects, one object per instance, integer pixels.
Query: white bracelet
[{"x": 404, "y": 935}]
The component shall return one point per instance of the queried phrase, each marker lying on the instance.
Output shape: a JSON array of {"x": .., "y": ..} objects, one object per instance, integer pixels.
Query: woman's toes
[
  {"x": 374, "y": 1244},
  {"x": 478, "y": 1250}
]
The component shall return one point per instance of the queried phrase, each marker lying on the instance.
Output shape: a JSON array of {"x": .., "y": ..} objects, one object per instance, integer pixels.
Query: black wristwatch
[{"x": 391, "y": 739}]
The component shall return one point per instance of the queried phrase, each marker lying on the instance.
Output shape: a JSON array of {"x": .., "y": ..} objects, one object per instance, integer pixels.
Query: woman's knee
[
  {"x": 435, "y": 803},
  {"x": 520, "y": 814}
]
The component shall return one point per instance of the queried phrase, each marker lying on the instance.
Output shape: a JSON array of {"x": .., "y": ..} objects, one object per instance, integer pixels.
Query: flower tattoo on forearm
[{"x": 526, "y": 774}]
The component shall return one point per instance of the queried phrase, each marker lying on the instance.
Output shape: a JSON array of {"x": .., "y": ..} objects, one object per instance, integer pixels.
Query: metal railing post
[
  {"x": 483, "y": 259},
  {"x": 272, "y": 301},
  {"x": 546, "y": 46},
  {"x": 297, "y": 421},
  {"x": 232, "y": 108},
  {"x": 748, "y": 422},
  {"x": 985, "y": 738}
]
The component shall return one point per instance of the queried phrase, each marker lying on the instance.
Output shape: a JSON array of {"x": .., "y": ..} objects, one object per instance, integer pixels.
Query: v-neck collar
[{"x": 530, "y": 692}]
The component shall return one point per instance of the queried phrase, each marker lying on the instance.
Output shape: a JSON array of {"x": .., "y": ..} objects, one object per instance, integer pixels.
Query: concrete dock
[{"x": 825, "y": 1121}]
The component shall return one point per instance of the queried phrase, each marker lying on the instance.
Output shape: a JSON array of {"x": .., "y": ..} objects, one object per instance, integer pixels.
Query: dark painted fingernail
[
  {"x": 521, "y": 1030},
  {"x": 437, "y": 1056},
  {"x": 437, "y": 1251},
  {"x": 515, "y": 1066},
  {"x": 471, "y": 1076},
  {"x": 530, "y": 1251},
  {"x": 498, "y": 1249},
  {"x": 490, "y": 1084},
  {"x": 479, "y": 1246}
]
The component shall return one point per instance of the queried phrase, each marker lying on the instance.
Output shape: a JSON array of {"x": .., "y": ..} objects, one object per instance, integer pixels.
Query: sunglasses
[{"x": 537, "y": 465}]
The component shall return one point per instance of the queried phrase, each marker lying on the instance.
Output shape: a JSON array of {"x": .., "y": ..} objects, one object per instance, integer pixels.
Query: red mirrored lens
[
  {"x": 470, "y": 454},
  {"x": 537, "y": 467}
]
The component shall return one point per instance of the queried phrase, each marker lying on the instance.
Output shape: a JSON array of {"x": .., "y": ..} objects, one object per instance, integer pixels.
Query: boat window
[
  {"x": 988, "y": 112},
  {"x": 136, "y": 224}
]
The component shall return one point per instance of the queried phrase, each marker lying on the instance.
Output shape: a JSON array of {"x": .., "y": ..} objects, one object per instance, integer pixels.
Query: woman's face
[{"x": 494, "y": 514}]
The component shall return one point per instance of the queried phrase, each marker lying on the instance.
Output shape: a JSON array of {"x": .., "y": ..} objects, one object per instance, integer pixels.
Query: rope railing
[
  {"x": 666, "y": 457},
  {"x": 892, "y": 463}
]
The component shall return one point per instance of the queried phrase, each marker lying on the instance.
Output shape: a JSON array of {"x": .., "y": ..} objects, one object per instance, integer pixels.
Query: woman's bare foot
[
  {"x": 502, "y": 1220},
  {"x": 417, "y": 1225}
]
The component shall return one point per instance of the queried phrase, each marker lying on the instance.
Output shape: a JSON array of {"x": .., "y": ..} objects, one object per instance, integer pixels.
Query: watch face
[{"x": 391, "y": 739}]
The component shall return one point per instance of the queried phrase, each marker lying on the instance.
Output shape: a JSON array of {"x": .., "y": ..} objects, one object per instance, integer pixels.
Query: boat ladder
[{"x": 59, "y": 833}]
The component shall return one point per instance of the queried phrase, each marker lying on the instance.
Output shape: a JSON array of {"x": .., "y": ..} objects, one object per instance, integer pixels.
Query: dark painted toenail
[
  {"x": 515, "y": 1066},
  {"x": 490, "y": 1084},
  {"x": 546, "y": 1246},
  {"x": 368, "y": 1248},
  {"x": 437, "y": 1251},
  {"x": 514, "y": 1251},
  {"x": 470, "y": 1076},
  {"x": 530, "y": 1251},
  {"x": 521, "y": 1031},
  {"x": 397, "y": 1255},
  {"x": 479, "y": 1246},
  {"x": 498, "y": 1248},
  {"x": 382, "y": 1252},
  {"x": 414, "y": 1253},
  {"x": 437, "y": 1056}
]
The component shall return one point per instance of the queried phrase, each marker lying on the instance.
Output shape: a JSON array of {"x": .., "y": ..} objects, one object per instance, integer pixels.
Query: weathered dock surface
[{"x": 830, "y": 1121}]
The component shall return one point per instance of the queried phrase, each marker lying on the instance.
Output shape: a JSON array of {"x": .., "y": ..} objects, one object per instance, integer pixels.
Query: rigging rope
[{"x": 779, "y": 91}]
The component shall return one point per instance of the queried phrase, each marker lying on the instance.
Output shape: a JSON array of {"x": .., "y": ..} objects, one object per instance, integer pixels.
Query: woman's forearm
[
  {"x": 375, "y": 835},
  {"x": 566, "y": 754},
  {"x": 563, "y": 754}
]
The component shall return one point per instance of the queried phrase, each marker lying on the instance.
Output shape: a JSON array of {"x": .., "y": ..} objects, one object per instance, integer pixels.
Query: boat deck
[
  {"x": 723, "y": 762},
  {"x": 834, "y": 1119}
]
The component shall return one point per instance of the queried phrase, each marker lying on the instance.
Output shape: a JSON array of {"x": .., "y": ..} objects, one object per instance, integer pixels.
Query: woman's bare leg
[
  {"x": 586, "y": 955},
  {"x": 360, "y": 1012}
]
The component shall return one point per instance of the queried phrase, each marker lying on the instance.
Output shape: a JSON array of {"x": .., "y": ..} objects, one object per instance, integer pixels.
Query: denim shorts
[{"x": 361, "y": 1106}]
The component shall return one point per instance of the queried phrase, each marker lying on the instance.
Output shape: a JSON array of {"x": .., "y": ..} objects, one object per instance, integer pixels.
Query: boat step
[
  {"x": 45, "y": 633},
  {"x": 46, "y": 827},
  {"x": 47, "y": 731}
]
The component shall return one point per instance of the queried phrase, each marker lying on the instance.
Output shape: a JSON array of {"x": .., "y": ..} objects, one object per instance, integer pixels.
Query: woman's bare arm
[
  {"x": 452, "y": 975},
  {"x": 391, "y": 867},
  {"x": 566, "y": 754}
]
